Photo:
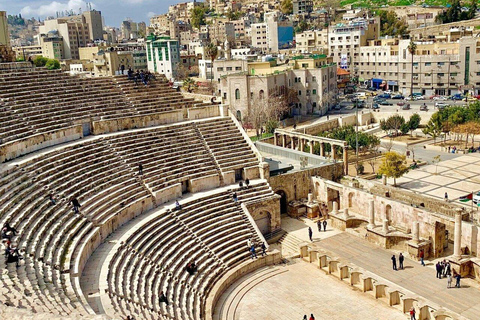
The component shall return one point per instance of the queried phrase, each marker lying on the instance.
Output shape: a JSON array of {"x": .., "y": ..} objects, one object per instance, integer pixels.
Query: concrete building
[
  {"x": 314, "y": 80},
  {"x": 109, "y": 63},
  {"x": 94, "y": 20},
  {"x": 27, "y": 51},
  {"x": 302, "y": 6},
  {"x": 272, "y": 35},
  {"x": 345, "y": 40},
  {"x": 205, "y": 69},
  {"x": 4, "y": 35},
  {"x": 441, "y": 68},
  {"x": 74, "y": 31},
  {"x": 312, "y": 41},
  {"x": 163, "y": 55},
  {"x": 52, "y": 46}
]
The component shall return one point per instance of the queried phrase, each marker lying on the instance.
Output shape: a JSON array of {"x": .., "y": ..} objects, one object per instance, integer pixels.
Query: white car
[
  {"x": 440, "y": 98},
  {"x": 441, "y": 105},
  {"x": 476, "y": 198}
]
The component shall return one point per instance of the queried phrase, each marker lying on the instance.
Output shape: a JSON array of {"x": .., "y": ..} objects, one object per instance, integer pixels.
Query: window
[
  {"x": 440, "y": 63},
  {"x": 229, "y": 68},
  {"x": 428, "y": 64},
  {"x": 220, "y": 69},
  {"x": 237, "y": 94},
  {"x": 314, "y": 91},
  {"x": 299, "y": 92},
  {"x": 238, "y": 68}
]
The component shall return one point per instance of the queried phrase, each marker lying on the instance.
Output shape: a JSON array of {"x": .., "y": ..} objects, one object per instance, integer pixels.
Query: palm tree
[
  {"x": 412, "y": 47},
  {"x": 212, "y": 52}
]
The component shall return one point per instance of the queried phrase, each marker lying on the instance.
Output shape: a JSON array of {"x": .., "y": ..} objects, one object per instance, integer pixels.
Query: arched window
[
  {"x": 237, "y": 94},
  {"x": 239, "y": 115},
  {"x": 260, "y": 94}
]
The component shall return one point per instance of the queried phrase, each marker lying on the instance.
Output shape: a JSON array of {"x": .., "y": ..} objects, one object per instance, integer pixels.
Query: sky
[{"x": 114, "y": 11}]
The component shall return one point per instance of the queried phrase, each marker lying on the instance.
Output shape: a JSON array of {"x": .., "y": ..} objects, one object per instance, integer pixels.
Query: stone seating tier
[{"x": 212, "y": 231}]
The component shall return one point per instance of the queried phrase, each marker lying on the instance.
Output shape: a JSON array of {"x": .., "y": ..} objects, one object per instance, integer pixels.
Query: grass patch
[{"x": 263, "y": 136}]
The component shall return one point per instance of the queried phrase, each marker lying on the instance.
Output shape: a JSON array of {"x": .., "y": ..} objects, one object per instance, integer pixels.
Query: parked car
[
  {"x": 457, "y": 96},
  {"x": 398, "y": 96},
  {"x": 337, "y": 107},
  {"x": 423, "y": 107},
  {"x": 385, "y": 103},
  {"x": 439, "y": 98},
  {"x": 401, "y": 103},
  {"x": 406, "y": 106},
  {"x": 378, "y": 98},
  {"x": 469, "y": 99},
  {"x": 441, "y": 105},
  {"x": 375, "y": 106},
  {"x": 385, "y": 96}
]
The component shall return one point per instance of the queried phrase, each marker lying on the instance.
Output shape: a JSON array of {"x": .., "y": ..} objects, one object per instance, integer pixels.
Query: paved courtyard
[
  {"x": 458, "y": 177},
  {"x": 304, "y": 289}
]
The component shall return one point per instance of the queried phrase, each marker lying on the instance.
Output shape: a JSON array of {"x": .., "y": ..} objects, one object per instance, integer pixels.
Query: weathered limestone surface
[
  {"x": 127, "y": 123},
  {"x": 22, "y": 314}
]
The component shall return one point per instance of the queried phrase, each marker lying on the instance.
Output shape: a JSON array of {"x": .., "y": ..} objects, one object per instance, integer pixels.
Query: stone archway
[
  {"x": 283, "y": 201},
  {"x": 388, "y": 213},
  {"x": 350, "y": 200}
]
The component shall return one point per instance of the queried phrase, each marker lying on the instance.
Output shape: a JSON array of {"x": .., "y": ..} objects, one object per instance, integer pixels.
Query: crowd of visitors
[
  {"x": 12, "y": 255},
  {"x": 142, "y": 76}
]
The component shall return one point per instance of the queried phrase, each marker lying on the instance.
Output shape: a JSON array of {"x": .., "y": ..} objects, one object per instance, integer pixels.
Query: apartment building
[
  {"x": 302, "y": 6},
  {"x": 441, "y": 68},
  {"x": 312, "y": 41},
  {"x": 163, "y": 55},
  {"x": 274, "y": 34},
  {"x": 313, "y": 78}
]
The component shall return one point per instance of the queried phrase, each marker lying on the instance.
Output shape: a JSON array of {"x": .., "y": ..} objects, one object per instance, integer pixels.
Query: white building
[{"x": 163, "y": 55}]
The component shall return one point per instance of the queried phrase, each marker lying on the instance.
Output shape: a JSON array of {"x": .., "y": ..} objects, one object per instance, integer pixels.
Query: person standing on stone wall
[
  {"x": 264, "y": 248},
  {"x": 310, "y": 233},
  {"x": 394, "y": 262},
  {"x": 325, "y": 225},
  {"x": 253, "y": 252},
  {"x": 400, "y": 260}
]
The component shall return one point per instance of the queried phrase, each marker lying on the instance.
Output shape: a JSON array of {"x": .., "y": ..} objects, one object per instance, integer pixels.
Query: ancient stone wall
[
  {"x": 119, "y": 124},
  {"x": 297, "y": 185},
  {"x": 270, "y": 205}
]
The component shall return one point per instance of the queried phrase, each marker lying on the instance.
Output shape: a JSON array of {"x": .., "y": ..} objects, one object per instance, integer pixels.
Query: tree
[
  {"x": 455, "y": 12},
  {"x": 469, "y": 128},
  {"x": 393, "y": 166},
  {"x": 432, "y": 129},
  {"x": 198, "y": 16},
  {"x": 52, "y": 64},
  {"x": 234, "y": 15},
  {"x": 395, "y": 122},
  {"x": 40, "y": 61},
  {"x": 286, "y": 6},
  {"x": 265, "y": 109},
  {"x": 374, "y": 149},
  {"x": 391, "y": 24},
  {"x": 189, "y": 84},
  {"x": 413, "y": 123},
  {"x": 212, "y": 52},
  {"x": 412, "y": 47}
]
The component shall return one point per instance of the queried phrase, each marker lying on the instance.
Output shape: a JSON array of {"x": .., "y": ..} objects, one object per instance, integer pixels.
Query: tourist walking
[
  {"x": 446, "y": 197},
  {"x": 412, "y": 313},
  {"x": 311, "y": 317},
  {"x": 448, "y": 269},
  {"x": 75, "y": 204},
  {"x": 247, "y": 182},
  {"x": 235, "y": 198},
  {"x": 305, "y": 317},
  {"x": 310, "y": 233},
  {"x": 422, "y": 255},
  {"x": 140, "y": 169},
  {"x": 264, "y": 249},
  {"x": 394, "y": 262},
  {"x": 163, "y": 298},
  {"x": 400, "y": 260},
  {"x": 319, "y": 225},
  {"x": 325, "y": 225},
  {"x": 252, "y": 251}
]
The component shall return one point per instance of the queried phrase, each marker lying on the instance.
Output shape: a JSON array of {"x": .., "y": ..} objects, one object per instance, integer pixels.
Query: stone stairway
[
  {"x": 289, "y": 245},
  {"x": 205, "y": 144}
]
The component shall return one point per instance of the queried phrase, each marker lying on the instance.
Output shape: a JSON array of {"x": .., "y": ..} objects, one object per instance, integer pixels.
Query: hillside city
[{"x": 241, "y": 159}]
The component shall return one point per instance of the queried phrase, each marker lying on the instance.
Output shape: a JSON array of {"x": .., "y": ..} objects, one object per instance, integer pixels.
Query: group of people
[
  {"x": 247, "y": 184},
  {"x": 145, "y": 77},
  {"x": 252, "y": 250},
  {"x": 401, "y": 258},
  {"x": 444, "y": 269},
  {"x": 12, "y": 255},
  {"x": 191, "y": 268},
  {"x": 311, "y": 317}
]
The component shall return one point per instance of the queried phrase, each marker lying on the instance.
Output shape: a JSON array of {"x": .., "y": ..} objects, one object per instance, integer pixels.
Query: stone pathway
[
  {"x": 418, "y": 279},
  {"x": 304, "y": 289}
]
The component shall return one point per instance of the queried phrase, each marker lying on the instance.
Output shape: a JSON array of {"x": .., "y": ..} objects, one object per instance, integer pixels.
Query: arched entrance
[
  {"x": 283, "y": 201},
  {"x": 263, "y": 221},
  {"x": 388, "y": 213},
  {"x": 350, "y": 199}
]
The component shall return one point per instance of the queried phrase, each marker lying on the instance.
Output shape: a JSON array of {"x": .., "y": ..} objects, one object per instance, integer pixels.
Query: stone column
[
  {"x": 384, "y": 180},
  {"x": 334, "y": 207},
  {"x": 371, "y": 214},
  {"x": 302, "y": 144},
  {"x": 345, "y": 160},
  {"x": 457, "y": 244},
  {"x": 345, "y": 213},
  {"x": 310, "y": 198},
  {"x": 293, "y": 142},
  {"x": 311, "y": 143},
  {"x": 385, "y": 226},
  {"x": 334, "y": 156},
  {"x": 415, "y": 232},
  {"x": 275, "y": 142},
  {"x": 284, "y": 140},
  {"x": 322, "y": 150}
]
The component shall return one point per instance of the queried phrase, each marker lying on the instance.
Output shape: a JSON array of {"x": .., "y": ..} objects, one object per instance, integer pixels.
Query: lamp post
[{"x": 356, "y": 138}]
